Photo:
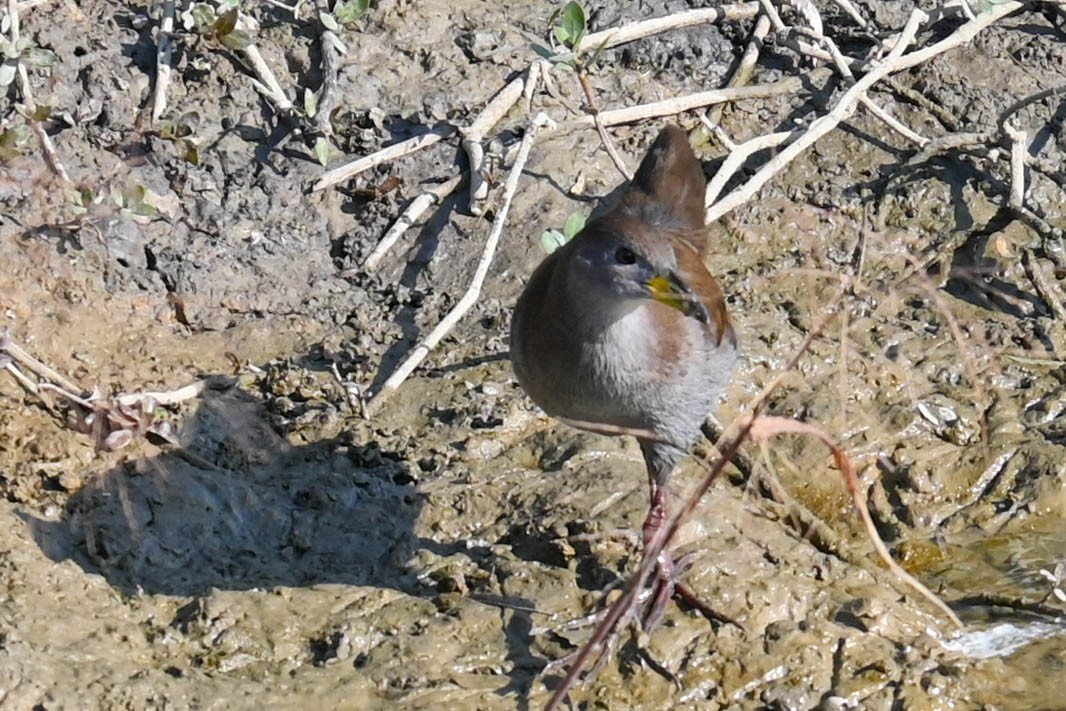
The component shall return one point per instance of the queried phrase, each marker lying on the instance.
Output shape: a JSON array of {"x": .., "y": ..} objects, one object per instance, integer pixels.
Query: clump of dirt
[{"x": 429, "y": 556}]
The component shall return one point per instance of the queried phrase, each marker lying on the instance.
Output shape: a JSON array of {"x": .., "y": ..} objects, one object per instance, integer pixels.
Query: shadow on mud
[{"x": 240, "y": 508}]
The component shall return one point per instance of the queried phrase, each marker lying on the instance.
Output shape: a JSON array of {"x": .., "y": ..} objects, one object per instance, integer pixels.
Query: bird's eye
[{"x": 625, "y": 255}]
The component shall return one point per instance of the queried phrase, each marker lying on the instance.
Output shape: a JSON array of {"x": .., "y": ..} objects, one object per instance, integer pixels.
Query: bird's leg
[{"x": 666, "y": 584}]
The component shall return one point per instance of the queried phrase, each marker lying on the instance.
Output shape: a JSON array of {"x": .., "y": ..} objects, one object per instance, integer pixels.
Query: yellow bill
[{"x": 668, "y": 289}]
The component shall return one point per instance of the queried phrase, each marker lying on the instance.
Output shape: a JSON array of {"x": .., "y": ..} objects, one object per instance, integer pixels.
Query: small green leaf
[
  {"x": 323, "y": 151},
  {"x": 543, "y": 51},
  {"x": 310, "y": 103},
  {"x": 203, "y": 16},
  {"x": 40, "y": 57},
  {"x": 225, "y": 24},
  {"x": 188, "y": 151},
  {"x": 7, "y": 72},
  {"x": 42, "y": 112},
  {"x": 236, "y": 40},
  {"x": 351, "y": 10},
  {"x": 574, "y": 224},
  {"x": 12, "y": 141},
  {"x": 328, "y": 21},
  {"x": 552, "y": 240},
  {"x": 79, "y": 196},
  {"x": 14, "y": 137},
  {"x": 573, "y": 25}
]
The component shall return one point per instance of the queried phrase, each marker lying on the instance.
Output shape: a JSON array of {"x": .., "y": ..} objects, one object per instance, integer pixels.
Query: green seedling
[
  {"x": 345, "y": 12},
  {"x": 134, "y": 202},
  {"x": 324, "y": 151},
  {"x": 218, "y": 24},
  {"x": 23, "y": 51},
  {"x": 570, "y": 30},
  {"x": 180, "y": 133},
  {"x": 12, "y": 141},
  {"x": 572, "y": 26},
  {"x": 552, "y": 240}
]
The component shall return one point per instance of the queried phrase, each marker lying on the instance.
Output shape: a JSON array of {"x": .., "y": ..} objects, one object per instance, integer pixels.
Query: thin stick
[
  {"x": 627, "y": 33},
  {"x": 332, "y": 48},
  {"x": 746, "y": 68},
  {"x": 170, "y": 397},
  {"x": 396, "y": 150},
  {"x": 26, "y": 382},
  {"x": 163, "y": 54},
  {"x": 960, "y": 36},
  {"x": 842, "y": 64},
  {"x": 893, "y": 123},
  {"x": 1047, "y": 288},
  {"x": 266, "y": 76},
  {"x": 1018, "y": 140},
  {"x": 408, "y": 217},
  {"x": 274, "y": 92},
  {"x": 473, "y": 135},
  {"x": 820, "y": 126},
  {"x": 7, "y": 345},
  {"x": 849, "y": 8},
  {"x": 536, "y": 69},
  {"x": 670, "y": 107},
  {"x": 764, "y": 427},
  {"x": 594, "y": 111},
  {"x": 736, "y": 159},
  {"x": 474, "y": 290},
  {"x": 771, "y": 13},
  {"x": 1026, "y": 100},
  {"x": 43, "y": 138}
]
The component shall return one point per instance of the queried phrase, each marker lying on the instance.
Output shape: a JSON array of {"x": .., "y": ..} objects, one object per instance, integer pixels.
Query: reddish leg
[{"x": 666, "y": 584}]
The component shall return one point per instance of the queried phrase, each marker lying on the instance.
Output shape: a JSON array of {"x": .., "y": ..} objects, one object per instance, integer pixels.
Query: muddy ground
[{"x": 290, "y": 553}]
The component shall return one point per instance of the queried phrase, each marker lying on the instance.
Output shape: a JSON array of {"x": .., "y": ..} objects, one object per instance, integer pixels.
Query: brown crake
[{"x": 624, "y": 327}]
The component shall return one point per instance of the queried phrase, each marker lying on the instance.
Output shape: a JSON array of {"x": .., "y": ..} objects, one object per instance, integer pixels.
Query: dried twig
[
  {"x": 820, "y": 126},
  {"x": 627, "y": 33},
  {"x": 332, "y": 49},
  {"x": 408, "y": 217},
  {"x": 851, "y": 10},
  {"x": 670, "y": 107},
  {"x": 842, "y": 65},
  {"x": 474, "y": 134},
  {"x": 36, "y": 126},
  {"x": 594, "y": 111},
  {"x": 539, "y": 122},
  {"x": 1018, "y": 141},
  {"x": 1047, "y": 287},
  {"x": 164, "y": 51},
  {"x": 41, "y": 370},
  {"x": 746, "y": 67},
  {"x": 737, "y": 157},
  {"x": 764, "y": 427},
  {"x": 112, "y": 422},
  {"x": 396, "y": 150},
  {"x": 268, "y": 84}
]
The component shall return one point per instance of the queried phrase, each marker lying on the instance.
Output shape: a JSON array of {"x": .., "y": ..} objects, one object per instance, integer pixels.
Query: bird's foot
[{"x": 640, "y": 613}]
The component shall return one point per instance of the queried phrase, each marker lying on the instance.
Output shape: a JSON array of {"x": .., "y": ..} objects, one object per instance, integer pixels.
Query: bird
[{"x": 623, "y": 330}]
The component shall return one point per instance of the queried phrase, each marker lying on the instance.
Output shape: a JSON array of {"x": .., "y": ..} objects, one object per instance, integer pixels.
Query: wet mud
[{"x": 290, "y": 552}]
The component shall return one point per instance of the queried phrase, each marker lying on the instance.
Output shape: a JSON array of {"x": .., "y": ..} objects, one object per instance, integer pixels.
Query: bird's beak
[{"x": 668, "y": 289}]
